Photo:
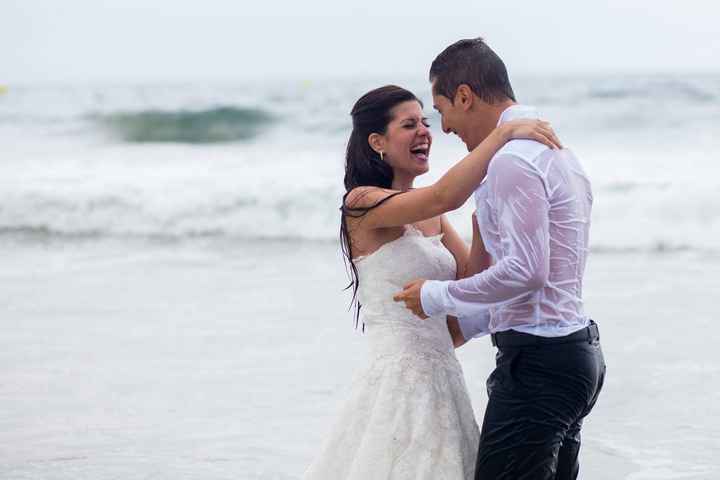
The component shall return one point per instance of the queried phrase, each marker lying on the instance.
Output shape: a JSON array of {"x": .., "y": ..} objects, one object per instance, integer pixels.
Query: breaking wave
[{"x": 215, "y": 125}]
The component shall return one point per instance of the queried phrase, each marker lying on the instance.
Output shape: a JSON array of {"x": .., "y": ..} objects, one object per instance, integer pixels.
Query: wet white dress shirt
[{"x": 533, "y": 209}]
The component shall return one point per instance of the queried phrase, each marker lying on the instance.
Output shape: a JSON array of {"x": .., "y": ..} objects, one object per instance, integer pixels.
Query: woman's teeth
[{"x": 420, "y": 150}]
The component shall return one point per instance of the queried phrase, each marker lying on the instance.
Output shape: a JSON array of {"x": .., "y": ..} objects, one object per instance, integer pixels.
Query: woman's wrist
[
  {"x": 503, "y": 133},
  {"x": 498, "y": 137}
]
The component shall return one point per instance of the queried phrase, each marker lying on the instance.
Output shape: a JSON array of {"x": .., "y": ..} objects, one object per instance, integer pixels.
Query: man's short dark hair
[{"x": 473, "y": 63}]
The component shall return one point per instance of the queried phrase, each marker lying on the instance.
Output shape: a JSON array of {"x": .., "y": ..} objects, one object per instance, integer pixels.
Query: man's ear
[
  {"x": 464, "y": 97},
  {"x": 377, "y": 142}
]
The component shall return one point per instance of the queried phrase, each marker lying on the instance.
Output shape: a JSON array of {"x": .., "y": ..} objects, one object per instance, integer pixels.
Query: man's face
[{"x": 452, "y": 116}]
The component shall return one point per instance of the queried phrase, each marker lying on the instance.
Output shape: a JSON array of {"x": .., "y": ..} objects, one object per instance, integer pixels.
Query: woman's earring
[{"x": 382, "y": 158}]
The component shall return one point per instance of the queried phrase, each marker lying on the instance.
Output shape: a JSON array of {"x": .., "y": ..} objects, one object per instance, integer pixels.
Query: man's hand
[{"x": 411, "y": 296}]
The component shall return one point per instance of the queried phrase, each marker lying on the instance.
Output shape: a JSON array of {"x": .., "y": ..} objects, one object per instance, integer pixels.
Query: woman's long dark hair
[{"x": 364, "y": 167}]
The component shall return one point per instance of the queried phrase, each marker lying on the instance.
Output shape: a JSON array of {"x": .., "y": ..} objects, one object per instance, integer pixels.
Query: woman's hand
[{"x": 531, "y": 129}]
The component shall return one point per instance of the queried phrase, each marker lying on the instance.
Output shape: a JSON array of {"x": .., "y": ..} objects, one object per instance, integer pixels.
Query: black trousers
[{"x": 537, "y": 398}]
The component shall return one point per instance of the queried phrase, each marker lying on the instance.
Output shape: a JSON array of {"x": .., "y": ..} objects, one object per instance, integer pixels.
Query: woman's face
[{"x": 407, "y": 140}]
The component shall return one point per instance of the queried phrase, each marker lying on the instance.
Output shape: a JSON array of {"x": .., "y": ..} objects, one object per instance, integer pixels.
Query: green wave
[{"x": 215, "y": 125}]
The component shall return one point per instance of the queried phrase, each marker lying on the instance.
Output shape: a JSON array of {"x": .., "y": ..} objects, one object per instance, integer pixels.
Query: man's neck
[
  {"x": 495, "y": 110},
  {"x": 486, "y": 117}
]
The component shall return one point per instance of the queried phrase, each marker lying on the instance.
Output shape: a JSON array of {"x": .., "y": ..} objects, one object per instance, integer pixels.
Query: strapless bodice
[{"x": 390, "y": 326}]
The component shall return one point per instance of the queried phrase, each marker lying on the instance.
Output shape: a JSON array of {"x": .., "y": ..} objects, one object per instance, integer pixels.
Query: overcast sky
[{"x": 160, "y": 40}]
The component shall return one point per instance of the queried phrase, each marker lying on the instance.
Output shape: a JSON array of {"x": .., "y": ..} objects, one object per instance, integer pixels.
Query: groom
[{"x": 533, "y": 210}]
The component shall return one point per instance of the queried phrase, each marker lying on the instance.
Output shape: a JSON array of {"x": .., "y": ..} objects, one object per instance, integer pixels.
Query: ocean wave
[
  {"x": 206, "y": 114},
  {"x": 651, "y": 89},
  {"x": 256, "y": 206},
  {"x": 631, "y": 186},
  {"x": 214, "y": 125},
  {"x": 575, "y": 91},
  {"x": 36, "y": 233},
  {"x": 653, "y": 248}
]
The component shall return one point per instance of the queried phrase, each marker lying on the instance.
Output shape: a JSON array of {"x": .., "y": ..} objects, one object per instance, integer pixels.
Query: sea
[{"x": 171, "y": 285}]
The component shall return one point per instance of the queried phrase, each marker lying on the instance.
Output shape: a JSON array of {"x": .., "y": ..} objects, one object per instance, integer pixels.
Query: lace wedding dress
[{"x": 408, "y": 415}]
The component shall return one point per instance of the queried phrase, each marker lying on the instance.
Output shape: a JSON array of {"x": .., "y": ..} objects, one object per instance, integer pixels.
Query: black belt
[{"x": 511, "y": 338}]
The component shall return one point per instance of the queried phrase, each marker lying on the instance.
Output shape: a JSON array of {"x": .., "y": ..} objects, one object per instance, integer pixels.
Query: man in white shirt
[{"x": 533, "y": 211}]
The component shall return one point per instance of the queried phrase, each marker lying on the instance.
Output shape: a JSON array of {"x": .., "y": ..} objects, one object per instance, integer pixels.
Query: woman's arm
[
  {"x": 456, "y": 246},
  {"x": 469, "y": 262},
  {"x": 479, "y": 258},
  {"x": 452, "y": 189},
  {"x": 455, "y": 333}
]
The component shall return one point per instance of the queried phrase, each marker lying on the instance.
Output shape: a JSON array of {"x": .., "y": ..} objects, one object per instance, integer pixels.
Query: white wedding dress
[{"x": 408, "y": 415}]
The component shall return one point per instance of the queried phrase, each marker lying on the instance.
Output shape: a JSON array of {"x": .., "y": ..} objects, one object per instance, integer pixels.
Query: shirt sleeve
[
  {"x": 475, "y": 326},
  {"x": 475, "y": 323},
  {"x": 521, "y": 207}
]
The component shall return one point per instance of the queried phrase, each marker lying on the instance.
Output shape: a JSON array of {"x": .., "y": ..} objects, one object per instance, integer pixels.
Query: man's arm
[{"x": 522, "y": 207}]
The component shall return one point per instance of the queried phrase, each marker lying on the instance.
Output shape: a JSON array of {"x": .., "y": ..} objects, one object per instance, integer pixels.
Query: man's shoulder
[
  {"x": 517, "y": 154},
  {"x": 527, "y": 150}
]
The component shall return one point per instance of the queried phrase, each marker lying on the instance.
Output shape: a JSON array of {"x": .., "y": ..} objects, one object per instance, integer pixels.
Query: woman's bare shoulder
[{"x": 366, "y": 196}]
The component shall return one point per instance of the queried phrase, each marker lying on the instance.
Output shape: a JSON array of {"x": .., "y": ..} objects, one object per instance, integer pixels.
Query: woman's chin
[
  {"x": 421, "y": 162},
  {"x": 416, "y": 167},
  {"x": 422, "y": 169}
]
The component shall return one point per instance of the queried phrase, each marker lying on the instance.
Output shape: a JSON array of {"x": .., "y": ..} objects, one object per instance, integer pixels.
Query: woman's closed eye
[{"x": 414, "y": 125}]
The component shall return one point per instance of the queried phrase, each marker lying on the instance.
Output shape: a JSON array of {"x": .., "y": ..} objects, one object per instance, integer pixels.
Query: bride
[{"x": 408, "y": 415}]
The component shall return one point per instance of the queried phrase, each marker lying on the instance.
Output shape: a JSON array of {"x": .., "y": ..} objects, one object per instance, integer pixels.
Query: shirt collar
[{"x": 513, "y": 112}]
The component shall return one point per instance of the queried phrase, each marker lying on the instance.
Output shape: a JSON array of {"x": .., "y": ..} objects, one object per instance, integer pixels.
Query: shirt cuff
[{"x": 431, "y": 297}]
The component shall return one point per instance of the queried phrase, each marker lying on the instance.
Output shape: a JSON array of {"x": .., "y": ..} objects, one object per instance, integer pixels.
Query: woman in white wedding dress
[{"x": 408, "y": 415}]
